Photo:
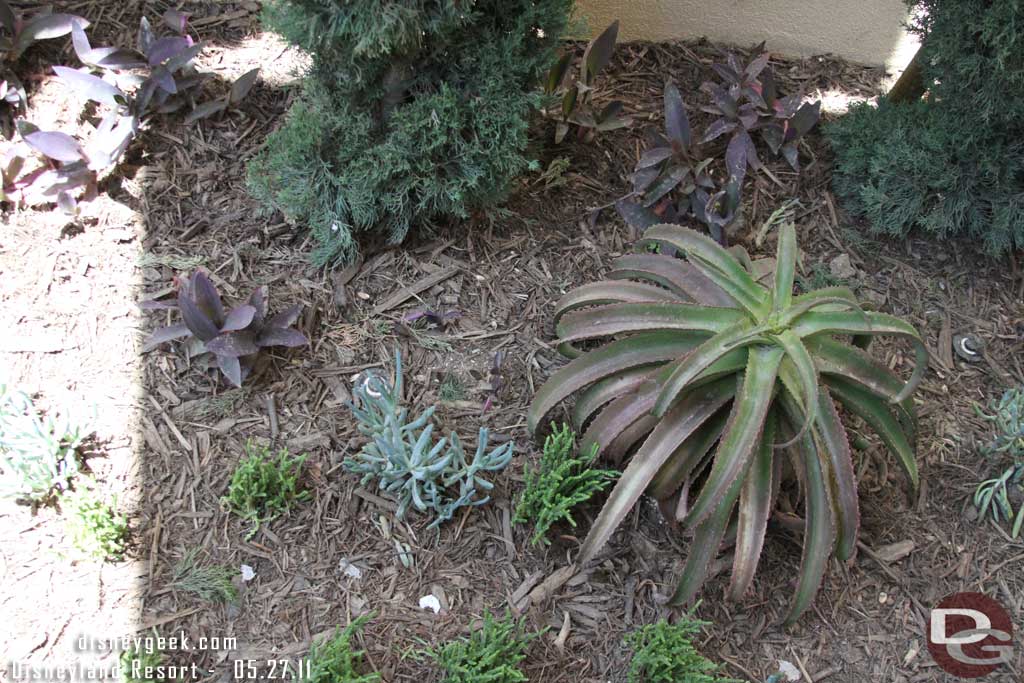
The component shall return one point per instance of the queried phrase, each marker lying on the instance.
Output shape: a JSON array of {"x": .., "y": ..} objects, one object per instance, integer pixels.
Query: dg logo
[{"x": 970, "y": 635}]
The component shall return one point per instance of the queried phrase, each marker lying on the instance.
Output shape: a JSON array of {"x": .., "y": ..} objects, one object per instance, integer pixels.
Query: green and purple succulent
[{"x": 233, "y": 338}]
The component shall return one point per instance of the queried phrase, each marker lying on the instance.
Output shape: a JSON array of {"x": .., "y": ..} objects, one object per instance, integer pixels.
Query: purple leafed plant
[
  {"x": 22, "y": 32},
  {"x": 158, "y": 77},
  {"x": 575, "y": 100},
  {"x": 233, "y": 337},
  {"x": 680, "y": 176},
  {"x": 747, "y": 100}
]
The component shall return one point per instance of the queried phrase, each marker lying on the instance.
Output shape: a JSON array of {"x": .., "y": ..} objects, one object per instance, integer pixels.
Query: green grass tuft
[
  {"x": 334, "y": 661},
  {"x": 213, "y": 583}
]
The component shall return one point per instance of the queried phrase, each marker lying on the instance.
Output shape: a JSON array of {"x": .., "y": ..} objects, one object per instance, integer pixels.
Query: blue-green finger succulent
[{"x": 409, "y": 466}]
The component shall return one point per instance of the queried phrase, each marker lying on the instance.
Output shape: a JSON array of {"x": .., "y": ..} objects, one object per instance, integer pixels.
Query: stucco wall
[{"x": 864, "y": 31}]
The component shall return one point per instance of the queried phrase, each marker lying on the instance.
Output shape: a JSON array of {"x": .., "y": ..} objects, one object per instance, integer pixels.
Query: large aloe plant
[{"x": 683, "y": 353}]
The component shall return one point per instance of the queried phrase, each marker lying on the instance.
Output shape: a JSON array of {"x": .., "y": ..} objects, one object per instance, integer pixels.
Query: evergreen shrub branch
[
  {"x": 491, "y": 654},
  {"x": 263, "y": 487},
  {"x": 664, "y": 653}
]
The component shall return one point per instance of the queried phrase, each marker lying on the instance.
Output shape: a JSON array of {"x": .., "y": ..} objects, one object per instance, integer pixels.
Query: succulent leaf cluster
[
  {"x": 405, "y": 460},
  {"x": 709, "y": 382},
  {"x": 232, "y": 337},
  {"x": 997, "y": 497},
  {"x": 37, "y": 452}
]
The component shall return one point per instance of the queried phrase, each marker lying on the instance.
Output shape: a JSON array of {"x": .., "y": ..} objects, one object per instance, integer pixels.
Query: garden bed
[{"x": 172, "y": 434}]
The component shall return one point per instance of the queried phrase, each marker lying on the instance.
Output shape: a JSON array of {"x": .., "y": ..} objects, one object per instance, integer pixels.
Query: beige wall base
[{"x": 863, "y": 31}]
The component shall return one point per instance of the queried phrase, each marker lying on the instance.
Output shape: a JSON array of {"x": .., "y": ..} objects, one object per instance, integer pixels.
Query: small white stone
[
  {"x": 430, "y": 602},
  {"x": 841, "y": 268},
  {"x": 349, "y": 569},
  {"x": 788, "y": 670},
  {"x": 248, "y": 573}
]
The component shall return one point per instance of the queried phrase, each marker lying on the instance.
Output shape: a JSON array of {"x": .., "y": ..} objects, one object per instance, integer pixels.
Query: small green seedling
[
  {"x": 333, "y": 660},
  {"x": 96, "y": 530},
  {"x": 139, "y": 660},
  {"x": 263, "y": 487},
  {"x": 561, "y": 482}
]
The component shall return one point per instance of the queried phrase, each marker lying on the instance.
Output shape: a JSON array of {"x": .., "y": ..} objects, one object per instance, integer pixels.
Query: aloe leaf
[
  {"x": 619, "y": 355},
  {"x": 601, "y": 393},
  {"x": 614, "y": 319},
  {"x": 844, "y": 293},
  {"x": 687, "y": 457},
  {"x": 696, "y": 362},
  {"x": 737, "y": 282},
  {"x": 707, "y": 540},
  {"x": 610, "y": 292},
  {"x": 736, "y": 450},
  {"x": 610, "y": 431},
  {"x": 819, "y": 530},
  {"x": 851, "y": 363},
  {"x": 681, "y": 423},
  {"x": 868, "y": 322},
  {"x": 807, "y": 375},
  {"x": 752, "y": 513},
  {"x": 836, "y": 358},
  {"x": 679, "y": 276},
  {"x": 876, "y": 414},
  {"x": 626, "y": 441},
  {"x": 839, "y": 474},
  {"x": 785, "y": 268}
]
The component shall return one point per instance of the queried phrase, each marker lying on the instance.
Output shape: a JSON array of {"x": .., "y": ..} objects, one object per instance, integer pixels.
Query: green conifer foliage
[
  {"x": 412, "y": 109},
  {"x": 952, "y": 163}
]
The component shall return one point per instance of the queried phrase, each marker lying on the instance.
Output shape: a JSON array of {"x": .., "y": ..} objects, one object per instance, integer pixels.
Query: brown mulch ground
[{"x": 172, "y": 433}]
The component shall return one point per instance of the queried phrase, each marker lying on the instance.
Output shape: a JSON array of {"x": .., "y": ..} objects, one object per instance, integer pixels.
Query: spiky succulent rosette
[{"x": 707, "y": 379}]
